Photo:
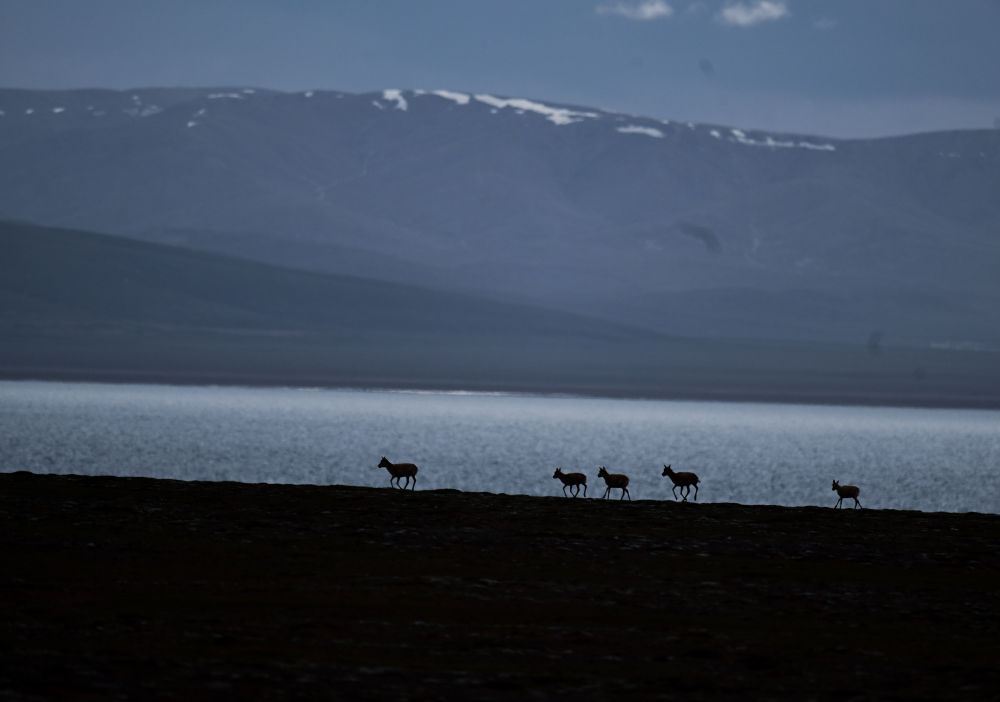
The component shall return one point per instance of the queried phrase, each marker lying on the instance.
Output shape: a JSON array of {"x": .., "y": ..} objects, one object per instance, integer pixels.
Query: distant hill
[
  {"x": 688, "y": 229},
  {"x": 80, "y": 305},
  {"x": 68, "y": 276}
]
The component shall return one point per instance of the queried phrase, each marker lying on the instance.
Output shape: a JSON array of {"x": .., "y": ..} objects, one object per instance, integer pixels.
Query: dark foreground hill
[
  {"x": 127, "y": 588},
  {"x": 79, "y": 305}
]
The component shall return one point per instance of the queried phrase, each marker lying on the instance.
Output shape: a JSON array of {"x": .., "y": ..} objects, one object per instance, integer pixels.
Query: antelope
[
  {"x": 614, "y": 480},
  {"x": 846, "y": 491},
  {"x": 683, "y": 481},
  {"x": 400, "y": 470},
  {"x": 572, "y": 479}
]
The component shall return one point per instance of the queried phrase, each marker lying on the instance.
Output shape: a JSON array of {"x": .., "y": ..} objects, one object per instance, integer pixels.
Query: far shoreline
[{"x": 514, "y": 389}]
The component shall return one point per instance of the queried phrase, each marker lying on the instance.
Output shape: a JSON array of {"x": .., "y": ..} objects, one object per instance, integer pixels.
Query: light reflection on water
[{"x": 925, "y": 459}]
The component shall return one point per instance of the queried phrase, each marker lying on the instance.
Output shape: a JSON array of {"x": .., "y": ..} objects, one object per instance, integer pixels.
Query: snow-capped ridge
[
  {"x": 458, "y": 98},
  {"x": 557, "y": 115},
  {"x": 397, "y": 97},
  {"x": 395, "y": 101},
  {"x": 636, "y": 129},
  {"x": 399, "y": 100},
  {"x": 740, "y": 137}
]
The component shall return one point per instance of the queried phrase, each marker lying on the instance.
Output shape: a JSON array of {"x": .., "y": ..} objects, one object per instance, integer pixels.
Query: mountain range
[{"x": 655, "y": 229}]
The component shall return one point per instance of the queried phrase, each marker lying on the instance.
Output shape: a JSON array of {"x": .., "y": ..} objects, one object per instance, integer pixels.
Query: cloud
[
  {"x": 640, "y": 11},
  {"x": 742, "y": 14},
  {"x": 826, "y": 24}
]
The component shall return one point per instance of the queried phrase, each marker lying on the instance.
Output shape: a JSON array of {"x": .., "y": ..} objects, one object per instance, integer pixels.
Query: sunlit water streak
[{"x": 925, "y": 459}]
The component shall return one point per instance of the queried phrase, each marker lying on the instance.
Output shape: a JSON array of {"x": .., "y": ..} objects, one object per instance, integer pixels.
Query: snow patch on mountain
[
  {"x": 816, "y": 147},
  {"x": 397, "y": 97},
  {"x": 636, "y": 129},
  {"x": 143, "y": 110},
  {"x": 459, "y": 98},
  {"x": 557, "y": 115},
  {"x": 139, "y": 109},
  {"x": 740, "y": 137},
  {"x": 225, "y": 96}
]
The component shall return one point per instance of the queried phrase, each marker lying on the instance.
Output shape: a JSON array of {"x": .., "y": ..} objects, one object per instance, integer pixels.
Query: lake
[{"x": 925, "y": 459}]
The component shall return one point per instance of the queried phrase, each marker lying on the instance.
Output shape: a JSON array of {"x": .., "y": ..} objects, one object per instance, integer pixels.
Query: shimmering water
[{"x": 750, "y": 453}]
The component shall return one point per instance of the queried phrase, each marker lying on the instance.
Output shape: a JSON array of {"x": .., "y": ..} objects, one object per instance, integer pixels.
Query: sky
[{"x": 841, "y": 68}]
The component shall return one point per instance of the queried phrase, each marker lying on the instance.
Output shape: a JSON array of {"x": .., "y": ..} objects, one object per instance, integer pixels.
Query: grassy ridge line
[{"x": 135, "y": 585}]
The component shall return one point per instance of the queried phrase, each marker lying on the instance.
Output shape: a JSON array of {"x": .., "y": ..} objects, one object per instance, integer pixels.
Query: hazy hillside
[
  {"x": 696, "y": 230},
  {"x": 67, "y": 276},
  {"x": 79, "y": 305},
  {"x": 76, "y": 302}
]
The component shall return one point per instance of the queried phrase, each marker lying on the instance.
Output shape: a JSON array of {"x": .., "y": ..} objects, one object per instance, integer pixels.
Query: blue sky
[{"x": 851, "y": 68}]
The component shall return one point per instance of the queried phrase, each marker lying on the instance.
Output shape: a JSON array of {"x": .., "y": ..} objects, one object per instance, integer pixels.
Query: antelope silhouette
[
  {"x": 400, "y": 470},
  {"x": 847, "y": 491}
]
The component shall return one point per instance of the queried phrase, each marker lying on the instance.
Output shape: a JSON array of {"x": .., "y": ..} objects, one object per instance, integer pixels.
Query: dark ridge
[{"x": 134, "y": 587}]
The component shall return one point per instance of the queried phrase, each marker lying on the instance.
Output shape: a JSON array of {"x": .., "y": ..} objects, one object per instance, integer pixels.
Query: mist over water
[{"x": 926, "y": 459}]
